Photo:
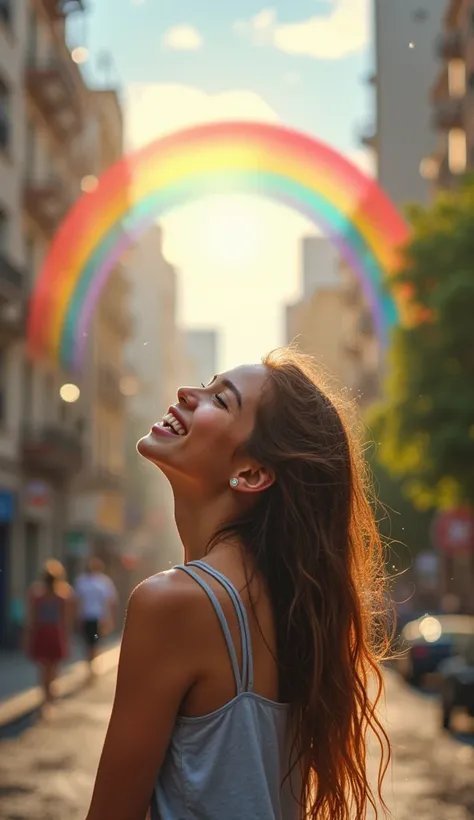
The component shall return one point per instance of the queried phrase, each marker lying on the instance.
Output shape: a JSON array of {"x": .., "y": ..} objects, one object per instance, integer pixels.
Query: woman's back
[
  {"x": 48, "y": 607},
  {"x": 246, "y": 740}
]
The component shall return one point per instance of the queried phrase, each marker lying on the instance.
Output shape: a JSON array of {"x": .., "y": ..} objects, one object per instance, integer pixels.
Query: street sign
[{"x": 453, "y": 531}]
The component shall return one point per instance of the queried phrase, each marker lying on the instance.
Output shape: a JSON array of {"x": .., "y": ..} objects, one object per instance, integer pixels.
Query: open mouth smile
[{"x": 172, "y": 424}]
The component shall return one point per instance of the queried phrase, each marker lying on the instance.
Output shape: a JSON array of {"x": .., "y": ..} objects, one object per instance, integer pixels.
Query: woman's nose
[{"x": 188, "y": 396}]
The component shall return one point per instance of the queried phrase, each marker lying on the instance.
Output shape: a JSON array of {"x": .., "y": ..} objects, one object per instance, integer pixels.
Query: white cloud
[
  {"x": 182, "y": 38},
  {"x": 344, "y": 30}
]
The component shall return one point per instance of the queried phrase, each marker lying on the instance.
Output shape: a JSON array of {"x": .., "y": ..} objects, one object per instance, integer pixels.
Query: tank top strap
[
  {"x": 222, "y": 620},
  {"x": 241, "y": 613}
]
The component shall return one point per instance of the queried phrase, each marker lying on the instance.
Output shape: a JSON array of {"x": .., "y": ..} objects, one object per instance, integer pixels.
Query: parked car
[
  {"x": 457, "y": 683},
  {"x": 428, "y": 641}
]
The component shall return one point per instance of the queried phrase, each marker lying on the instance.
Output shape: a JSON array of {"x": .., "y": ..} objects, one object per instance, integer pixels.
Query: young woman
[
  {"x": 50, "y": 616},
  {"x": 243, "y": 684}
]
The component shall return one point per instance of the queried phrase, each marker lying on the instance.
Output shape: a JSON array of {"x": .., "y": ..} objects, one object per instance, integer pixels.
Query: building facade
[
  {"x": 404, "y": 133},
  {"x": 54, "y": 134},
  {"x": 333, "y": 323},
  {"x": 451, "y": 97},
  {"x": 96, "y": 522}
]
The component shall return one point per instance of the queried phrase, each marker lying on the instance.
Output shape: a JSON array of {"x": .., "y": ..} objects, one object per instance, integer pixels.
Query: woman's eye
[{"x": 221, "y": 401}]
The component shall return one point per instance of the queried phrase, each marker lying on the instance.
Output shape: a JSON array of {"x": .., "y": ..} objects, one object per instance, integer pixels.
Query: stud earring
[{"x": 234, "y": 482}]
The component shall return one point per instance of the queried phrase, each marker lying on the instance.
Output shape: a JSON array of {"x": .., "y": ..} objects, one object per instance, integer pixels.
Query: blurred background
[{"x": 389, "y": 83}]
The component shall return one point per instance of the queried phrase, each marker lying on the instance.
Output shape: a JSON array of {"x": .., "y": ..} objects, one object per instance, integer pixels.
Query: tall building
[
  {"x": 451, "y": 97},
  {"x": 319, "y": 264},
  {"x": 53, "y": 134},
  {"x": 314, "y": 321},
  {"x": 404, "y": 134},
  {"x": 202, "y": 350},
  {"x": 333, "y": 324},
  {"x": 96, "y": 511},
  {"x": 42, "y": 113}
]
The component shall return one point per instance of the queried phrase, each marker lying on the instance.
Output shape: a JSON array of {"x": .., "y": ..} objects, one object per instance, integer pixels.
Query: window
[
  {"x": 27, "y": 390},
  {"x": 457, "y": 151},
  {"x": 6, "y": 12},
  {"x": 3, "y": 232},
  {"x": 5, "y": 115},
  {"x": 32, "y": 37},
  {"x": 3, "y": 382},
  {"x": 30, "y": 261},
  {"x": 30, "y": 158},
  {"x": 457, "y": 78},
  {"x": 49, "y": 403}
]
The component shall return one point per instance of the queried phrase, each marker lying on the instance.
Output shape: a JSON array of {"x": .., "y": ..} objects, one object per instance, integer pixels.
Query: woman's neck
[{"x": 198, "y": 520}]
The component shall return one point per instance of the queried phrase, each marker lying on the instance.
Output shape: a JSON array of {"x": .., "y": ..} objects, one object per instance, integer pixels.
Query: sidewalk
[{"x": 20, "y": 697}]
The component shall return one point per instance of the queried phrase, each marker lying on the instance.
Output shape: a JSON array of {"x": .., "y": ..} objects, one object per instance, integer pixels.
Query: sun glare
[{"x": 230, "y": 231}]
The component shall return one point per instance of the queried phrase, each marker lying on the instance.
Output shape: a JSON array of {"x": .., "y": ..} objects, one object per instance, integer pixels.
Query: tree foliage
[{"x": 425, "y": 425}]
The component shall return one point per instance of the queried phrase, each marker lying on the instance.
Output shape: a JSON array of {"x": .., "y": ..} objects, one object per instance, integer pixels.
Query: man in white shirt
[{"x": 97, "y": 604}]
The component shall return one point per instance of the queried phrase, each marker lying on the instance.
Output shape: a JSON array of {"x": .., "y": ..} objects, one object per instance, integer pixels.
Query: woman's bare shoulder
[{"x": 170, "y": 595}]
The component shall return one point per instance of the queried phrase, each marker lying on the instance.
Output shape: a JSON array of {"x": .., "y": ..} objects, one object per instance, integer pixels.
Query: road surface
[{"x": 48, "y": 772}]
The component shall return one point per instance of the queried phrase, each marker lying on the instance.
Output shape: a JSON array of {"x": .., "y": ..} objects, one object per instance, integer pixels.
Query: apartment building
[
  {"x": 451, "y": 97},
  {"x": 96, "y": 521},
  {"x": 53, "y": 134},
  {"x": 404, "y": 133},
  {"x": 42, "y": 109},
  {"x": 333, "y": 323}
]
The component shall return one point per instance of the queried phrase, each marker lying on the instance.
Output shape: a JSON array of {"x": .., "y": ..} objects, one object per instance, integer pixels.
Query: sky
[{"x": 301, "y": 63}]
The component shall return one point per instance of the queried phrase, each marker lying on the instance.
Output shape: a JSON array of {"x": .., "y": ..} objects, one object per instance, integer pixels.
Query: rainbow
[{"x": 218, "y": 158}]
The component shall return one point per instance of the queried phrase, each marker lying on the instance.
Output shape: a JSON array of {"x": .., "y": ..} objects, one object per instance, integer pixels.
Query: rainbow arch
[{"x": 229, "y": 157}]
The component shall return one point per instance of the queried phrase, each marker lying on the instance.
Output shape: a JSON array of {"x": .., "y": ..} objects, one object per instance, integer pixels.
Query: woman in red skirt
[{"x": 49, "y": 621}]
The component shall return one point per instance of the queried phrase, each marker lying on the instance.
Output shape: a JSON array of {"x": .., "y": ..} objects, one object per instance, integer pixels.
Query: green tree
[{"x": 425, "y": 425}]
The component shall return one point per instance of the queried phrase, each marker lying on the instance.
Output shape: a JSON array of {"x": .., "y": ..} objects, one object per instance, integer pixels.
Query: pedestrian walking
[
  {"x": 242, "y": 687},
  {"x": 97, "y": 607},
  {"x": 49, "y": 622}
]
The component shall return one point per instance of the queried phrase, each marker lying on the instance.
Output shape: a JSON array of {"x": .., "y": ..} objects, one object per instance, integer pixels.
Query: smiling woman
[{"x": 242, "y": 689}]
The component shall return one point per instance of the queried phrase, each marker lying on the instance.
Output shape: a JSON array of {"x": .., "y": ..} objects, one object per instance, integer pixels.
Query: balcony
[
  {"x": 448, "y": 114},
  {"x": 109, "y": 387},
  {"x": 12, "y": 303},
  {"x": 46, "y": 202},
  {"x": 368, "y": 136},
  {"x": 11, "y": 280},
  {"x": 52, "y": 452},
  {"x": 6, "y": 12},
  {"x": 58, "y": 9},
  {"x": 449, "y": 45},
  {"x": 54, "y": 90}
]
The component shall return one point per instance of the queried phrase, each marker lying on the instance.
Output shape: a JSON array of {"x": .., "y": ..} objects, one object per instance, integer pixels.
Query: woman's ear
[{"x": 253, "y": 479}]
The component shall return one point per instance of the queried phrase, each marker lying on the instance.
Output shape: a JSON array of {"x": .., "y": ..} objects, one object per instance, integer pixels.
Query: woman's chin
[{"x": 149, "y": 448}]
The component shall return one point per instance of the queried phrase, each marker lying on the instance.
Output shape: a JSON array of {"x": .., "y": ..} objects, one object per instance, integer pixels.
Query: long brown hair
[{"x": 313, "y": 537}]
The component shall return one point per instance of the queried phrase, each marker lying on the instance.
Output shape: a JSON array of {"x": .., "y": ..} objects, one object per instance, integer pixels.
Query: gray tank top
[{"x": 231, "y": 764}]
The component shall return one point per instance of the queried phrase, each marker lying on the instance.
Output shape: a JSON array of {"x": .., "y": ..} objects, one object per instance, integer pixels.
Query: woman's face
[{"x": 198, "y": 437}]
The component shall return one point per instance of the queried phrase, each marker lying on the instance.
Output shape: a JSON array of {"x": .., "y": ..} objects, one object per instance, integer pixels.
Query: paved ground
[
  {"x": 17, "y": 673},
  {"x": 47, "y": 773}
]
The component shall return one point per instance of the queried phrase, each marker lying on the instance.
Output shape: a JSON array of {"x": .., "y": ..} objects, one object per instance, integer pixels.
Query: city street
[{"x": 47, "y": 773}]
